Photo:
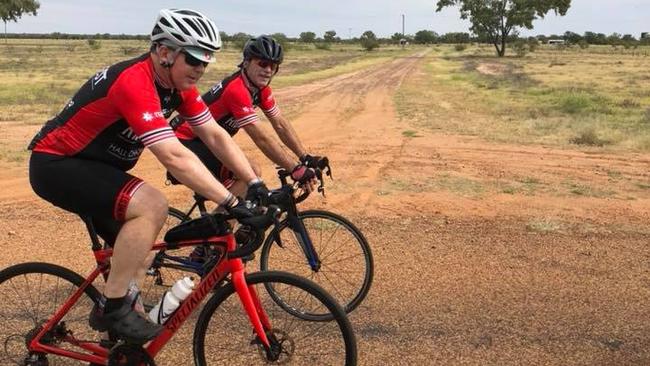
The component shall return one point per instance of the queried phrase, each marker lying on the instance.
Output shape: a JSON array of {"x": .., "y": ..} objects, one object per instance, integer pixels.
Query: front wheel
[
  {"x": 346, "y": 264},
  {"x": 223, "y": 331},
  {"x": 30, "y": 293}
]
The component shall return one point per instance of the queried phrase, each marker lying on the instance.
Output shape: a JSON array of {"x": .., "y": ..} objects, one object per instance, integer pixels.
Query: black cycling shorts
[
  {"x": 214, "y": 165},
  {"x": 91, "y": 189}
]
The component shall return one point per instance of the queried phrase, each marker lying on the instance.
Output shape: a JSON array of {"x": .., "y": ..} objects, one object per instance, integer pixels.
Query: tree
[
  {"x": 330, "y": 36},
  {"x": 496, "y": 19},
  {"x": 369, "y": 40},
  {"x": 572, "y": 38},
  {"x": 426, "y": 37},
  {"x": 12, "y": 10},
  {"x": 307, "y": 37}
]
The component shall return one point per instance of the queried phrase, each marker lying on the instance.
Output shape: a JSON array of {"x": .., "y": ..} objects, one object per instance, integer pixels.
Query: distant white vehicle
[{"x": 556, "y": 41}]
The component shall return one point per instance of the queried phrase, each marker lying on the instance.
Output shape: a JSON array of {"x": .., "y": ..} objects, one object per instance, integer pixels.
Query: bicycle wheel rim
[{"x": 31, "y": 293}]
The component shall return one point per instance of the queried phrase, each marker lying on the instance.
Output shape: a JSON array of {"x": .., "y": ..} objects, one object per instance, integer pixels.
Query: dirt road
[{"x": 486, "y": 254}]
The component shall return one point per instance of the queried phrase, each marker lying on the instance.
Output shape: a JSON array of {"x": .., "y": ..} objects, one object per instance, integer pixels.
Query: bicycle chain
[{"x": 129, "y": 355}]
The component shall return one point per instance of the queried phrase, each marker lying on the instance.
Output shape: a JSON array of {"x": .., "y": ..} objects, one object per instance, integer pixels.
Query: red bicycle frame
[{"x": 99, "y": 355}]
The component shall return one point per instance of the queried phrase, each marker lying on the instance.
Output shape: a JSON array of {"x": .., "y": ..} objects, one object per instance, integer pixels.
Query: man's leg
[{"x": 145, "y": 215}]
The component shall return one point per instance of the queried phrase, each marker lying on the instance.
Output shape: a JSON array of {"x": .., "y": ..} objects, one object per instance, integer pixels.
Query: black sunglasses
[
  {"x": 193, "y": 61},
  {"x": 265, "y": 63}
]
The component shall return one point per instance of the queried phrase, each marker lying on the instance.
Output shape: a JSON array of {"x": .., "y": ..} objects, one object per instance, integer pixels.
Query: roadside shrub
[
  {"x": 369, "y": 41},
  {"x": 94, "y": 44},
  {"x": 521, "y": 48},
  {"x": 583, "y": 44},
  {"x": 460, "y": 47},
  {"x": 323, "y": 45},
  {"x": 588, "y": 137},
  {"x": 70, "y": 47},
  {"x": 533, "y": 43},
  {"x": 130, "y": 50}
]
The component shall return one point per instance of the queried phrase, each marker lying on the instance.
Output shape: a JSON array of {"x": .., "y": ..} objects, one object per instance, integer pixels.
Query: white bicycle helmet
[{"x": 188, "y": 29}]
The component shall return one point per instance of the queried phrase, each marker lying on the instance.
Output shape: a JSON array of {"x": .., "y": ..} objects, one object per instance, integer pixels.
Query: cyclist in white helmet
[{"x": 80, "y": 158}]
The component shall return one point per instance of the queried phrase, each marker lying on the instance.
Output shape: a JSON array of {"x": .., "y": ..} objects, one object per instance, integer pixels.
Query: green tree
[
  {"x": 426, "y": 37},
  {"x": 330, "y": 36},
  {"x": 12, "y": 10},
  {"x": 496, "y": 19},
  {"x": 369, "y": 40},
  {"x": 307, "y": 37}
]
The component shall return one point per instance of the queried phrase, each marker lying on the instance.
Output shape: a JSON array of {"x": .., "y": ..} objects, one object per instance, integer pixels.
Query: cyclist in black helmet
[{"x": 232, "y": 103}]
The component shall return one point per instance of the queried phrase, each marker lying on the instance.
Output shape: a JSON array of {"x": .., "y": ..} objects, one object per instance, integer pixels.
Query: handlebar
[{"x": 271, "y": 217}]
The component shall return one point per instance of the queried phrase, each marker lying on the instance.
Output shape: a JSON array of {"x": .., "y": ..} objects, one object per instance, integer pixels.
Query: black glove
[
  {"x": 249, "y": 214},
  {"x": 258, "y": 193},
  {"x": 302, "y": 174},
  {"x": 314, "y": 162}
]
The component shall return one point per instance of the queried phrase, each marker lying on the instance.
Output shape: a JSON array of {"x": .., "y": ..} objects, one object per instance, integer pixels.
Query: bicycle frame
[
  {"x": 98, "y": 354},
  {"x": 295, "y": 224}
]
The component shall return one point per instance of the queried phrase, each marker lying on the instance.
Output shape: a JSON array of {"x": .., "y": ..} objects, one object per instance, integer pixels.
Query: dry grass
[{"x": 598, "y": 93}]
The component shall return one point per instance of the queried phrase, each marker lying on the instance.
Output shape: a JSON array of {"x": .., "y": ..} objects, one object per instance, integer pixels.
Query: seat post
[{"x": 94, "y": 238}]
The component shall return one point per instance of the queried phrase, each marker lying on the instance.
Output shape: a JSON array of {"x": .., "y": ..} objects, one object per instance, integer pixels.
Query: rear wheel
[
  {"x": 30, "y": 294},
  {"x": 223, "y": 331}
]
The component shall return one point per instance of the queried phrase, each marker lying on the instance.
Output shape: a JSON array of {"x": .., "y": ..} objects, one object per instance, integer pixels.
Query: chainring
[{"x": 129, "y": 355}]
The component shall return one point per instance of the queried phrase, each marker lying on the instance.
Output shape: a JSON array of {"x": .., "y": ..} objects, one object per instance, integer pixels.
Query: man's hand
[
  {"x": 305, "y": 176},
  {"x": 249, "y": 214},
  {"x": 258, "y": 193},
  {"x": 314, "y": 162}
]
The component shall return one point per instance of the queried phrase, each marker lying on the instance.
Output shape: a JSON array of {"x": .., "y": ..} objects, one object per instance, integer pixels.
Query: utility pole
[{"x": 403, "y": 34}]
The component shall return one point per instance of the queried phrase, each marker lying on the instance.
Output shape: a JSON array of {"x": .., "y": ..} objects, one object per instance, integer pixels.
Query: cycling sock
[{"x": 113, "y": 304}]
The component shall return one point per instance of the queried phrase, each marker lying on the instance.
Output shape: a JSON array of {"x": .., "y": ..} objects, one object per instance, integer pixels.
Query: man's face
[
  {"x": 261, "y": 71},
  {"x": 186, "y": 70}
]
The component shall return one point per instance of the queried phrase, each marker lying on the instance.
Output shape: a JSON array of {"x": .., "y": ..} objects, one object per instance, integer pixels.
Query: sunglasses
[
  {"x": 193, "y": 61},
  {"x": 264, "y": 64}
]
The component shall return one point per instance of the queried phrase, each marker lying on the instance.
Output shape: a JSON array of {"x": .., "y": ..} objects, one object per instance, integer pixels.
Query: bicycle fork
[
  {"x": 256, "y": 314},
  {"x": 302, "y": 236}
]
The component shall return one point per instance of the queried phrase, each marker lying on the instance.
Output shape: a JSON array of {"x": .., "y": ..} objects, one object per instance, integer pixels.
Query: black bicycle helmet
[{"x": 265, "y": 48}]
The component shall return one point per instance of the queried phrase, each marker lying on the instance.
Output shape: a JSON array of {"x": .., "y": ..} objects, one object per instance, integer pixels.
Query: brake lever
[{"x": 276, "y": 223}]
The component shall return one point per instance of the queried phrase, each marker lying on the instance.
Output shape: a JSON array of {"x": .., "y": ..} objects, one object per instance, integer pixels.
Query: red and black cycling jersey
[
  {"x": 232, "y": 104},
  {"x": 117, "y": 113}
]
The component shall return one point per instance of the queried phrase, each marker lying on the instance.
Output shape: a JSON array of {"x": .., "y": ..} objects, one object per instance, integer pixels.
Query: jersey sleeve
[
  {"x": 267, "y": 103},
  {"x": 240, "y": 105},
  {"x": 193, "y": 110},
  {"x": 136, "y": 99}
]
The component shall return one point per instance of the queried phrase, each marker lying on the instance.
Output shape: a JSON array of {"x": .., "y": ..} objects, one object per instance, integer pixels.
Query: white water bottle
[{"x": 171, "y": 300}]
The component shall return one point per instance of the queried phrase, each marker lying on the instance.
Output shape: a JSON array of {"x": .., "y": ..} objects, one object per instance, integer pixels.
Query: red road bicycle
[{"x": 44, "y": 310}]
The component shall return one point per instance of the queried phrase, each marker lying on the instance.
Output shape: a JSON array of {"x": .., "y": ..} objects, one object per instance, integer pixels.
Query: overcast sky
[{"x": 346, "y": 17}]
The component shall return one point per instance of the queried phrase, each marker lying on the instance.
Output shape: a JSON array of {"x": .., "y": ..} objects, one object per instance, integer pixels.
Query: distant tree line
[{"x": 420, "y": 37}]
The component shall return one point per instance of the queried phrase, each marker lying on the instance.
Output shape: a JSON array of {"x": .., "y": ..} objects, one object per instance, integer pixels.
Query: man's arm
[
  {"x": 287, "y": 134},
  {"x": 226, "y": 150},
  {"x": 189, "y": 170},
  {"x": 269, "y": 146}
]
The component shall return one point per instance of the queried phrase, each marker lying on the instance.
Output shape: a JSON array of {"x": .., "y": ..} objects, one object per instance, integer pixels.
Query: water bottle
[{"x": 171, "y": 300}]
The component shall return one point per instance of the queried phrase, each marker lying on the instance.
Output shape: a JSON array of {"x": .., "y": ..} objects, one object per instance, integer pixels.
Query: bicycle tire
[
  {"x": 351, "y": 266},
  {"x": 224, "y": 327},
  {"x": 24, "y": 311}
]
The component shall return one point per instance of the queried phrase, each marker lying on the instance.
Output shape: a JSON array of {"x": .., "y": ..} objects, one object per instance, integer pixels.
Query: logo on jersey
[
  {"x": 248, "y": 109},
  {"x": 215, "y": 89},
  {"x": 125, "y": 153},
  {"x": 99, "y": 77},
  {"x": 129, "y": 136},
  {"x": 148, "y": 117}
]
